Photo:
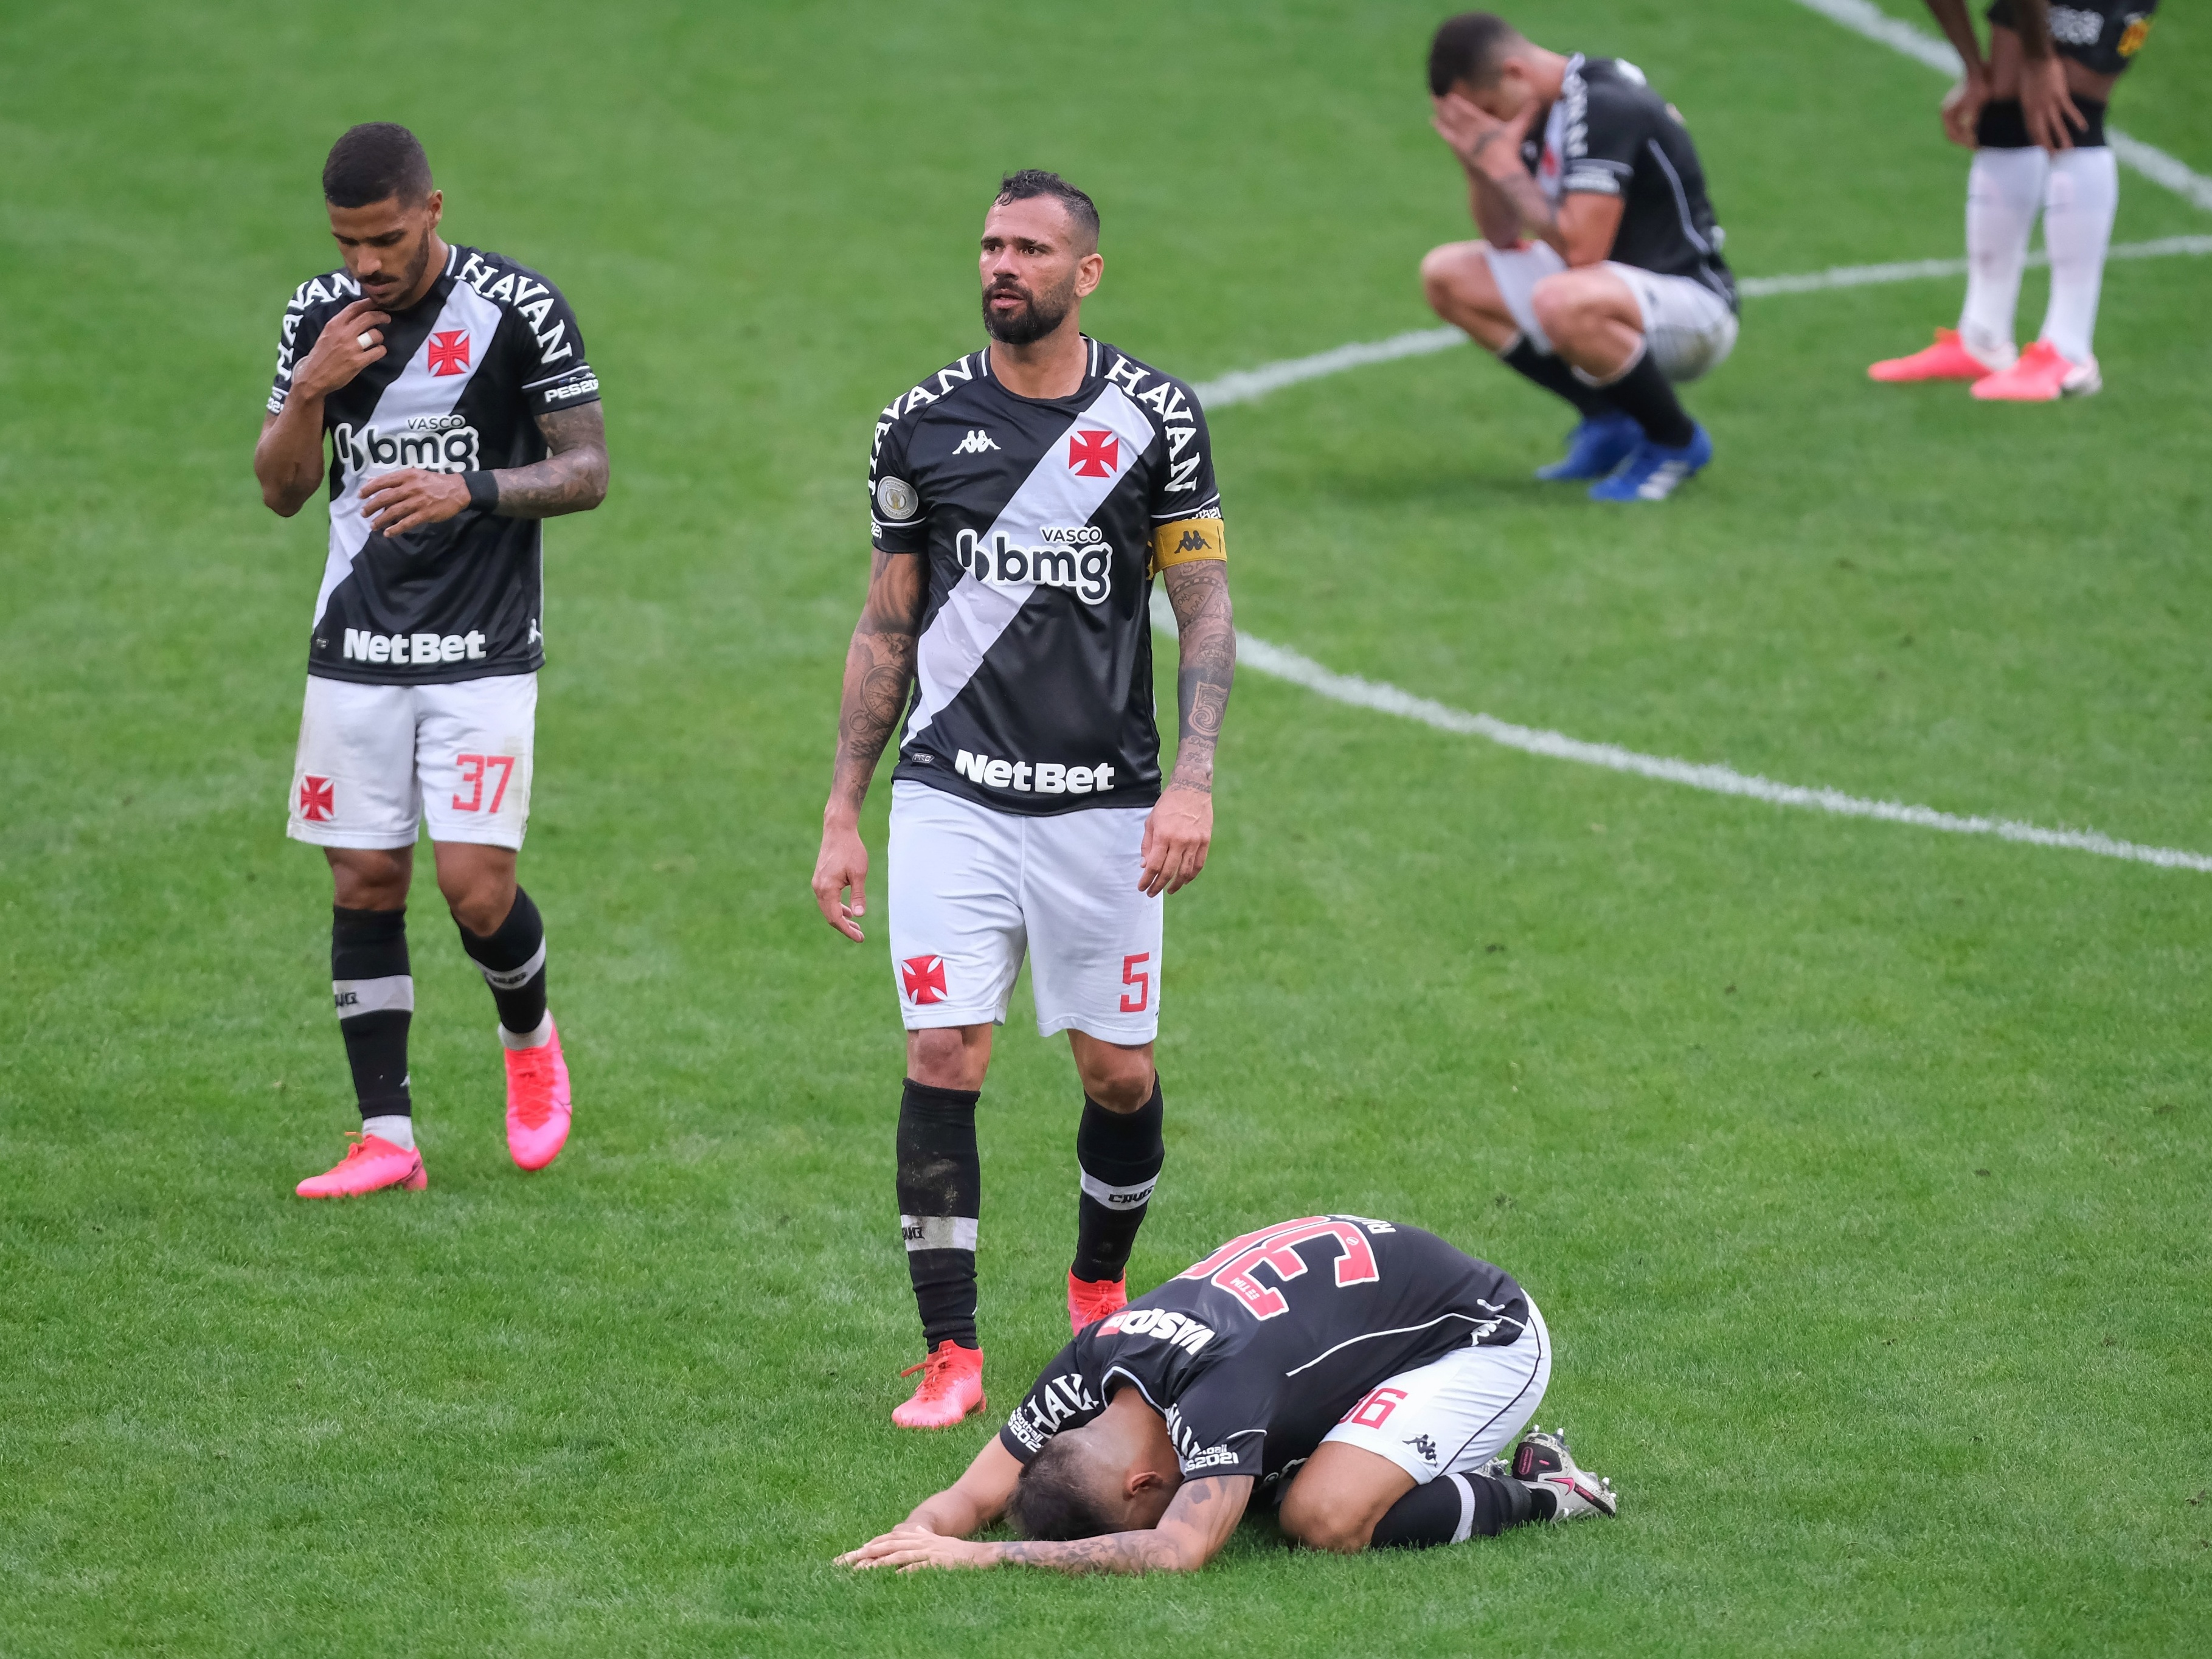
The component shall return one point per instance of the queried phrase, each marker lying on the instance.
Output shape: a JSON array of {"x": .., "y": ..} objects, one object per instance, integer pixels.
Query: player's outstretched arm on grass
[
  {"x": 878, "y": 670},
  {"x": 1179, "y": 832},
  {"x": 288, "y": 460},
  {"x": 572, "y": 478}
]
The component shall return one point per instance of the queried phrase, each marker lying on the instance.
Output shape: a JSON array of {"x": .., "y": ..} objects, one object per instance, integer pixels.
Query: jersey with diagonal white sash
[
  {"x": 1043, "y": 521},
  {"x": 467, "y": 373},
  {"x": 1255, "y": 1353}
]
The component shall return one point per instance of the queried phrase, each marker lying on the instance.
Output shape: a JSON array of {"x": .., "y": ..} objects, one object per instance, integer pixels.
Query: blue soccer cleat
[
  {"x": 1652, "y": 471},
  {"x": 1600, "y": 444}
]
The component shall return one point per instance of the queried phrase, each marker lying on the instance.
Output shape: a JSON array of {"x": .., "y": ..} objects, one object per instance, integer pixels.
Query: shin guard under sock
[
  {"x": 1646, "y": 396},
  {"x": 2081, "y": 197},
  {"x": 1452, "y": 1509},
  {"x": 940, "y": 1190},
  {"x": 375, "y": 996},
  {"x": 512, "y": 959},
  {"x": 1119, "y": 1156},
  {"x": 2004, "y": 191},
  {"x": 1552, "y": 374}
]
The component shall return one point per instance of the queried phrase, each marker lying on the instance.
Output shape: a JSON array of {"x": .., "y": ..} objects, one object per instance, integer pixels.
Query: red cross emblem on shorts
[
  {"x": 1093, "y": 454},
  {"x": 318, "y": 799},
  {"x": 925, "y": 979},
  {"x": 449, "y": 352}
]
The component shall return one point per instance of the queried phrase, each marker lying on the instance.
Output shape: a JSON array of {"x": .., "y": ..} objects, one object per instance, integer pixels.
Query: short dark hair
[
  {"x": 1052, "y": 1500},
  {"x": 1034, "y": 181},
  {"x": 1470, "y": 47},
  {"x": 374, "y": 161}
]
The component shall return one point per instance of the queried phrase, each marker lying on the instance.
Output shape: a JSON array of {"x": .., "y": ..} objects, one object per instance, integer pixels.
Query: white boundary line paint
[
  {"x": 1245, "y": 385},
  {"x": 1285, "y": 664},
  {"x": 1864, "y": 17}
]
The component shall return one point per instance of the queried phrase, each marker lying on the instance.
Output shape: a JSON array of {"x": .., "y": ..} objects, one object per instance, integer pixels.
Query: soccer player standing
[
  {"x": 2033, "y": 114},
  {"x": 453, "y": 386},
  {"x": 1023, "y": 498},
  {"x": 1599, "y": 276}
]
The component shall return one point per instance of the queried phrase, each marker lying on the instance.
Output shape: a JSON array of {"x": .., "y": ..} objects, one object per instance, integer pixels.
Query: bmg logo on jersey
[
  {"x": 1077, "y": 558},
  {"x": 435, "y": 443}
]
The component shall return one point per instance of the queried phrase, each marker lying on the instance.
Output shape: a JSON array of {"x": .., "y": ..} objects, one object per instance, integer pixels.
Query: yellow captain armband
[{"x": 1186, "y": 540}]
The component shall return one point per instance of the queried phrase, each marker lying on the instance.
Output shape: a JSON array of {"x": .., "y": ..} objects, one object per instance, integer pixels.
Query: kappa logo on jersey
[
  {"x": 1037, "y": 1418},
  {"x": 1078, "y": 559},
  {"x": 449, "y": 352},
  {"x": 1178, "y": 1330},
  {"x": 1192, "y": 542},
  {"x": 1423, "y": 1444},
  {"x": 925, "y": 979},
  {"x": 974, "y": 443},
  {"x": 435, "y": 443},
  {"x": 1093, "y": 454},
  {"x": 318, "y": 800}
]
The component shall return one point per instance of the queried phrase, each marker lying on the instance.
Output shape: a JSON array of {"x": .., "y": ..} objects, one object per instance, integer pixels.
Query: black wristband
[{"x": 483, "y": 491}]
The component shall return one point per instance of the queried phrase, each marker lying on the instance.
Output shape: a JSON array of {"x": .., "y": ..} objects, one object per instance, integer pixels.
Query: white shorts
[
  {"x": 1690, "y": 329},
  {"x": 1454, "y": 1414},
  {"x": 377, "y": 762},
  {"x": 971, "y": 890}
]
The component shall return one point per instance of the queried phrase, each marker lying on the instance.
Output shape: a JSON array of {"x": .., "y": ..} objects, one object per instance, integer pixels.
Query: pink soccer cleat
[
  {"x": 950, "y": 1390},
  {"x": 1948, "y": 359},
  {"x": 2041, "y": 376},
  {"x": 370, "y": 1165},
  {"x": 1090, "y": 1299},
  {"x": 538, "y": 1109}
]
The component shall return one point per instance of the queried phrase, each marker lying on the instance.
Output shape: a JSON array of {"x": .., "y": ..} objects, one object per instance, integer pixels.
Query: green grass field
[{"x": 1860, "y": 1171}]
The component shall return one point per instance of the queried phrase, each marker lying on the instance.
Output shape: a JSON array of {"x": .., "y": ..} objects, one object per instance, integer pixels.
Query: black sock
[
  {"x": 374, "y": 995},
  {"x": 512, "y": 961},
  {"x": 1552, "y": 372},
  {"x": 1453, "y": 1507},
  {"x": 1119, "y": 1156},
  {"x": 940, "y": 1191},
  {"x": 1645, "y": 395}
]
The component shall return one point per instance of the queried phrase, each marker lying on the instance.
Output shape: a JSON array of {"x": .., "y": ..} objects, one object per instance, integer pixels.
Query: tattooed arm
[
  {"x": 1197, "y": 1524},
  {"x": 573, "y": 478},
  {"x": 1180, "y": 831},
  {"x": 878, "y": 670}
]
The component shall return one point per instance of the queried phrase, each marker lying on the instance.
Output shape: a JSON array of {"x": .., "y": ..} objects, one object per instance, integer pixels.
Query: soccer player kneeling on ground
[
  {"x": 1023, "y": 499},
  {"x": 1600, "y": 274},
  {"x": 2033, "y": 114},
  {"x": 453, "y": 386},
  {"x": 1363, "y": 1377}
]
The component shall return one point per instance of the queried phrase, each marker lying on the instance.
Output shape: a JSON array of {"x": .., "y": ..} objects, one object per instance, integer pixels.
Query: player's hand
[
  {"x": 338, "y": 355},
  {"x": 1962, "y": 107},
  {"x": 395, "y": 502},
  {"x": 1178, "y": 833},
  {"x": 1462, "y": 125},
  {"x": 2045, "y": 105},
  {"x": 909, "y": 1548},
  {"x": 842, "y": 863}
]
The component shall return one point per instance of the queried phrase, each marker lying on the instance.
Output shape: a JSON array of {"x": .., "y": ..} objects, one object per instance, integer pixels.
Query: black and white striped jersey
[
  {"x": 1256, "y": 1352},
  {"x": 467, "y": 373},
  {"x": 1043, "y": 521},
  {"x": 1608, "y": 134}
]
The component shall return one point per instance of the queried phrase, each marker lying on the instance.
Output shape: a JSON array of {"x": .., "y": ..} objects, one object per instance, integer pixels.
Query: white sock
[
  {"x": 2080, "y": 201},
  {"x": 2004, "y": 188},
  {"x": 398, "y": 1128},
  {"x": 537, "y": 1039}
]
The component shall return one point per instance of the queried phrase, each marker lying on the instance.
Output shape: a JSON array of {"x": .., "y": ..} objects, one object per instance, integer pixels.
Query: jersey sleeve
[
  {"x": 1185, "y": 503},
  {"x": 556, "y": 374},
  {"x": 1599, "y": 155},
  {"x": 897, "y": 523},
  {"x": 1062, "y": 1397},
  {"x": 301, "y": 328},
  {"x": 1219, "y": 1426}
]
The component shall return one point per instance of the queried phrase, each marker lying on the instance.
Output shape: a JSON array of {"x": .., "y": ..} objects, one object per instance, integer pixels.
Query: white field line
[
  {"x": 1283, "y": 663},
  {"x": 1245, "y": 385},
  {"x": 1864, "y": 17}
]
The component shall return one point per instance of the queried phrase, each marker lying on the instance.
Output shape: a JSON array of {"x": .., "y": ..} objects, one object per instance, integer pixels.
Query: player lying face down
[{"x": 1362, "y": 1375}]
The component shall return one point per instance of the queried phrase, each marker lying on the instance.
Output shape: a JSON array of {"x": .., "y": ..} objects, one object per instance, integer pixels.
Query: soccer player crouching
[
  {"x": 1021, "y": 500},
  {"x": 1622, "y": 292},
  {"x": 2033, "y": 114},
  {"x": 453, "y": 387},
  {"x": 1364, "y": 1376}
]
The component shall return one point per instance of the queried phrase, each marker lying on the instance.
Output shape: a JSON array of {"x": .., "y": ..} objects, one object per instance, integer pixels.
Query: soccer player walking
[
  {"x": 1599, "y": 275},
  {"x": 453, "y": 386},
  {"x": 2033, "y": 114},
  {"x": 1023, "y": 498}
]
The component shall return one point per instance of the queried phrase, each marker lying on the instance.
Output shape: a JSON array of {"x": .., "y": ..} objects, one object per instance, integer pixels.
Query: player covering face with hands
[
  {"x": 1023, "y": 499},
  {"x": 1362, "y": 1375}
]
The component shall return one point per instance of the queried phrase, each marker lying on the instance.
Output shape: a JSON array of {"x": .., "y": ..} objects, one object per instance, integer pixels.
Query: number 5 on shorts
[
  {"x": 473, "y": 767},
  {"x": 1143, "y": 982}
]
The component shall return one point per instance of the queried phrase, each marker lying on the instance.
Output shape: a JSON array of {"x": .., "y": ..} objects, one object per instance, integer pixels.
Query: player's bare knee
[
  {"x": 1319, "y": 1524},
  {"x": 945, "y": 1057},
  {"x": 1119, "y": 1079}
]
